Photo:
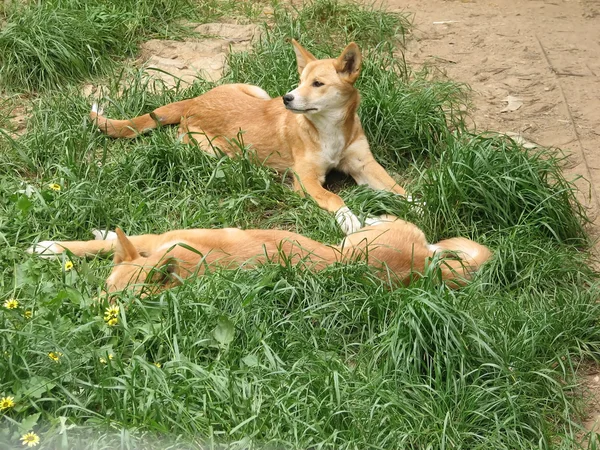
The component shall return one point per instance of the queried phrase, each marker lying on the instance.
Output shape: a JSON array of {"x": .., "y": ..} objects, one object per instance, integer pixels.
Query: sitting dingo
[
  {"x": 311, "y": 130},
  {"x": 393, "y": 247}
]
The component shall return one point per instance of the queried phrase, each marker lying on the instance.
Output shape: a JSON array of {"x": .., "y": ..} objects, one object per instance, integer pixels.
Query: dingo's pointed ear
[
  {"x": 165, "y": 273},
  {"x": 124, "y": 248},
  {"x": 303, "y": 56},
  {"x": 349, "y": 62}
]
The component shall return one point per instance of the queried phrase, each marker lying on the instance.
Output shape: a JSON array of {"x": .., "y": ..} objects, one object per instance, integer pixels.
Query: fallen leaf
[
  {"x": 521, "y": 140},
  {"x": 224, "y": 331},
  {"x": 514, "y": 103}
]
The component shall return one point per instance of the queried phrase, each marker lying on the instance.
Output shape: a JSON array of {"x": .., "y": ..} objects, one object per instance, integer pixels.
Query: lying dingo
[
  {"x": 311, "y": 130},
  {"x": 394, "y": 248}
]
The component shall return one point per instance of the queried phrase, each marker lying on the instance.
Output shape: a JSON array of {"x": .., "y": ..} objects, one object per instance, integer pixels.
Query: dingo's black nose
[{"x": 288, "y": 98}]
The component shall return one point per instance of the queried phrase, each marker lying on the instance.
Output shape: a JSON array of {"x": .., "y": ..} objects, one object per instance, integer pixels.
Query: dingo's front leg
[
  {"x": 359, "y": 163},
  {"x": 308, "y": 179}
]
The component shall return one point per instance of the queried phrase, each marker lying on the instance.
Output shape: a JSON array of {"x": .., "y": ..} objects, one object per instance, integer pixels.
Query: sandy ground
[{"x": 543, "y": 56}]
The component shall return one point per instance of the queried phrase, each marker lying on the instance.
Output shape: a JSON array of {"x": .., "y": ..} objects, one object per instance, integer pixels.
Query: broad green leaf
[
  {"x": 28, "y": 423},
  {"x": 37, "y": 387},
  {"x": 250, "y": 360},
  {"x": 224, "y": 331}
]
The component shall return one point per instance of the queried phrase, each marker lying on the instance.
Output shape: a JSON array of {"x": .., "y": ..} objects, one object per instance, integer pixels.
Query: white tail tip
[
  {"x": 96, "y": 109},
  {"x": 45, "y": 249}
]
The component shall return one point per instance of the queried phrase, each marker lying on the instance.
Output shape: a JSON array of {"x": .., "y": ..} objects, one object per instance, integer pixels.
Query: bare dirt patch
[
  {"x": 185, "y": 61},
  {"x": 14, "y": 115}
]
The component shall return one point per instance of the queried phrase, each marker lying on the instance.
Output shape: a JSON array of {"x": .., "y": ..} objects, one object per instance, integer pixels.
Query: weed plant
[{"x": 279, "y": 356}]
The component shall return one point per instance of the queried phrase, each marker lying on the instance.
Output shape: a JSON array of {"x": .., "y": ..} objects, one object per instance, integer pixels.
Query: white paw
[
  {"x": 46, "y": 249},
  {"x": 372, "y": 221},
  {"x": 104, "y": 235},
  {"x": 416, "y": 203},
  {"x": 410, "y": 199},
  {"x": 347, "y": 220}
]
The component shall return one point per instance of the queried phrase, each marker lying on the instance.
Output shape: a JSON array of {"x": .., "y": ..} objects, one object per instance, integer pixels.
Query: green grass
[
  {"x": 57, "y": 42},
  {"x": 280, "y": 357}
]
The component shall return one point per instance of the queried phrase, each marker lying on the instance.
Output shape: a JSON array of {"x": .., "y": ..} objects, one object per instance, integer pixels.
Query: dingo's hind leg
[{"x": 208, "y": 144}]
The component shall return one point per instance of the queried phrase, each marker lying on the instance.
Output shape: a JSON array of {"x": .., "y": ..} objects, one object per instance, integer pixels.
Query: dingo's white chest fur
[{"x": 331, "y": 140}]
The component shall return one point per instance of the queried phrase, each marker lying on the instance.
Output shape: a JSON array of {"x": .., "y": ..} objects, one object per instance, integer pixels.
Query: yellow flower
[
  {"x": 6, "y": 403},
  {"x": 111, "y": 311},
  {"x": 55, "y": 356},
  {"x": 11, "y": 304},
  {"x": 103, "y": 360},
  {"x": 157, "y": 364},
  {"x": 112, "y": 322},
  {"x": 68, "y": 266},
  {"x": 28, "y": 314},
  {"x": 30, "y": 439},
  {"x": 54, "y": 187}
]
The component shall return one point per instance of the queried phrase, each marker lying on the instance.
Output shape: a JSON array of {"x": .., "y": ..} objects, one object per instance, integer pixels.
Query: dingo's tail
[
  {"x": 102, "y": 244},
  {"x": 129, "y": 128},
  {"x": 462, "y": 258},
  {"x": 52, "y": 249}
]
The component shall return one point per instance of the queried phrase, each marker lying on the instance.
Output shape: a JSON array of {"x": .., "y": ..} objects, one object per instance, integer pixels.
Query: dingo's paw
[
  {"x": 416, "y": 203},
  {"x": 104, "y": 235},
  {"x": 372, "y": 221},
  {"x": 347, "y": 220}
]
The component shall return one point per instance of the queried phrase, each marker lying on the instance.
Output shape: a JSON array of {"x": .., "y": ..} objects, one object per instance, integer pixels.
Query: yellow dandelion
[
  {"x": 6, "y": 403},
  {"x": 68, "y": 266},
  {"x": 55, "y": 356},
  {"x": 157, "y": 364},
  {"x": 111, "y": 311},
  {"x": 110, "y": 358},
  {"x": 112, "y": 322},
  {"x": 54, "y": 187},
  {"x": 28, "y": 314},
  {"x": 11, "y": 303},
  {"x": 30, "y": 439}
]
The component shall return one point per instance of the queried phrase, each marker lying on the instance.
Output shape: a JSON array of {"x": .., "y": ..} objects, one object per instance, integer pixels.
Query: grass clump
[
  {"x": 278, "y": 356},
  {"x": 491, "y": 183},
  {"x": 337, "y": 22},
  {"x": 53, "y": 43}
]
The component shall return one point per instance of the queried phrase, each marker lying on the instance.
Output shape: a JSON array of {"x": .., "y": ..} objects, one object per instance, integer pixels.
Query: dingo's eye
[{"x": 317, "y": 84}]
